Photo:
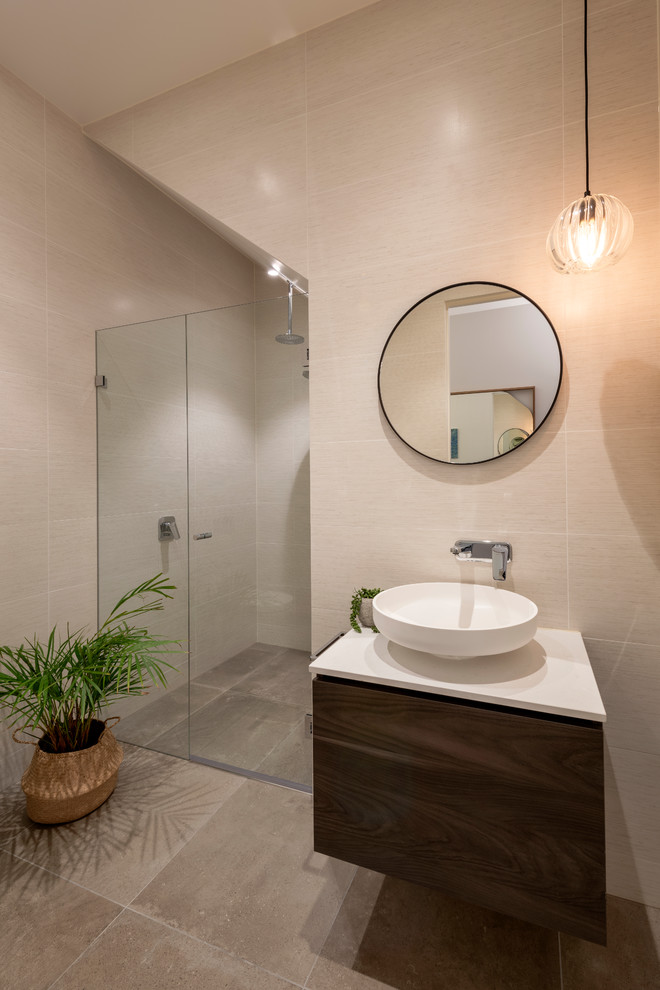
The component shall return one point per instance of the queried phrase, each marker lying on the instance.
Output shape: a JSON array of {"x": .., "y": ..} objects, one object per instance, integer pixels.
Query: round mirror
[{"x": 470, "y": 372}]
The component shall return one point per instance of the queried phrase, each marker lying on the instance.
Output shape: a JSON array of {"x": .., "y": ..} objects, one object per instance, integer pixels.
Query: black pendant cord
[{"x": 586, "y": 105}]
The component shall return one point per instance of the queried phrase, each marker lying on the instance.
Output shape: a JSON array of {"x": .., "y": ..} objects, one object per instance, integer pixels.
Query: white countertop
[{"x": 551, "y": 674}]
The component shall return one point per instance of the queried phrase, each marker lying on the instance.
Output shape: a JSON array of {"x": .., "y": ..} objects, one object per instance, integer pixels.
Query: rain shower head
[{"x": 289, "y": 337}]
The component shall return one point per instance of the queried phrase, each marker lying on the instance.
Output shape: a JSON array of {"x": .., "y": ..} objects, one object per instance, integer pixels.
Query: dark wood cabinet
[{"x": 500, "y": 807}]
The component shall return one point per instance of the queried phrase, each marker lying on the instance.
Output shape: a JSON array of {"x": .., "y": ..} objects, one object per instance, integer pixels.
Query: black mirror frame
[{"x": 456, "y": 285}]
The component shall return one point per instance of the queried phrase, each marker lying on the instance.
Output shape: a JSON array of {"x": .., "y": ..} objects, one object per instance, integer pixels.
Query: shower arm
[
  {"x": 276, "y": 273},
  {"x": 289, "y": 337},
  {"x": 290, "y": 321}
]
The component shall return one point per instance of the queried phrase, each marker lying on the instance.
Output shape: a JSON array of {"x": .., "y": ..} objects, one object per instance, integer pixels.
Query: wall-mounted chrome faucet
[
  {"x": 495, "y": 551},
  {"x": 167, "y": 529}
]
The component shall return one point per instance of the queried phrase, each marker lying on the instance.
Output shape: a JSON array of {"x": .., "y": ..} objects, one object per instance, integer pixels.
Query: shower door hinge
[
  {"x": 308, "y": 725},
  {"x": 101, "y": 381}
]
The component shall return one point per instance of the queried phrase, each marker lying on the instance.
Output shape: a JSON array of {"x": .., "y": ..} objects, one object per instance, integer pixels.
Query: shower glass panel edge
[
  {"x": 224, "y": 377},
  {"x": 143, "y": 476},
  {"x": 249, "y": 443}
]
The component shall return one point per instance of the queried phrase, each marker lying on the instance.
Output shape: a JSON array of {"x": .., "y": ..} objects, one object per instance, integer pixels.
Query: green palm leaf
[{"x": 60, "y": 687}]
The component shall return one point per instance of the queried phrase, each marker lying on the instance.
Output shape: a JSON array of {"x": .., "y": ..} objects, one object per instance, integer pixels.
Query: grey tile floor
[
  {"x": 247, "y": 711},
  {"x": 191, "y": 877}
]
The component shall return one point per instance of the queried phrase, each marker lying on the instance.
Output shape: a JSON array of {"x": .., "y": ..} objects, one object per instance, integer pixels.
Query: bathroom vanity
[{"x": 483, "y": 777}]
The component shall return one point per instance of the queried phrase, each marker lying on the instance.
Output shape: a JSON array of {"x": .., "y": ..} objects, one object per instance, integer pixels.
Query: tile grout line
[
  {"x": 497, "y": 141},
  {"x": 518, "y": 39},
  {"x": 33, "y": 233},
  {"x": 17, "y": 149},
  {"x": 142, "y": 225},
  {"x": 382, "y": 264},
  {"x": 151, "y": 166},
  {"x": 317, "y": 192},
  {"x": 280, "y": 742},
  {"x": 220, "y": 692},
  {"x": 256, "y": 697},
  {"x": 52, "y": 873},
  {"x": 330, "y": 927},
  {"x": 74, "y": 883},
  {"x": 378, "y": 267},
  {"x": 451, "y": 61},
  {"x": 178, "y": 931},
  {"x": 210, "y": 945},
  {"x": 184, "y": 844},
  {"x": 185, "y": 718},
  {"x": 112, "y": 900},
  {"x": 85, "y": 950}
]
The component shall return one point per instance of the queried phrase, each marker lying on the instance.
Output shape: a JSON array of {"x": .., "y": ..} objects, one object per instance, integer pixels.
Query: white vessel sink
[{"x": 455, "y": 620}]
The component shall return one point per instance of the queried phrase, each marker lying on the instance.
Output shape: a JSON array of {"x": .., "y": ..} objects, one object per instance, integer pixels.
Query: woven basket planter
[{"x": 61, "y": 787}]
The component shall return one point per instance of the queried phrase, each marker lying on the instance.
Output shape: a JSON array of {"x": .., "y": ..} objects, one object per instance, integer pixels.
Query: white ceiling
[{"x": 92, "y": 58}]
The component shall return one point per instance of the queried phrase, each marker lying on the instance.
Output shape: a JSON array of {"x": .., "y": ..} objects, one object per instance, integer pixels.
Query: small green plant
[
  {"x": 60, "y": 687},
  {"x": 356, "y": 601}
]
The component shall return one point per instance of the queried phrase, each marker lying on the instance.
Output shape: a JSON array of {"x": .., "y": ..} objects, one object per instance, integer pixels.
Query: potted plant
[
  {"x": 61, "y": 687},
  {"x": 362, "y": 608}
]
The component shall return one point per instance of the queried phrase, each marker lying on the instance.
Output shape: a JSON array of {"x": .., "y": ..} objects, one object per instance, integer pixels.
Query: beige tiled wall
[
  {"x": 85, "y": 244},
  {"x": 441, "y": 142},
  {"x": 221, "y": 431},
  {"x": 250, "y": 116},
  {"x": 283, "y": 548}
]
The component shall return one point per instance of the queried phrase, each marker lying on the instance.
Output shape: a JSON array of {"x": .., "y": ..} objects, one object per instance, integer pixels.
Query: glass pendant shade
[{"x": 590, "y": 234}]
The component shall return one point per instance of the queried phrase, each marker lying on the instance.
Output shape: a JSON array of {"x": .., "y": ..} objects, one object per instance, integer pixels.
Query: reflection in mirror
[
  {"x": 480, "y": 423},
  {"x": 469, "y": 373}
]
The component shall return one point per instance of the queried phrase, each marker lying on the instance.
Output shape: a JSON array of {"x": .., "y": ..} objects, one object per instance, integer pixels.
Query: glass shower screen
[{"x": 203, "y": 432}]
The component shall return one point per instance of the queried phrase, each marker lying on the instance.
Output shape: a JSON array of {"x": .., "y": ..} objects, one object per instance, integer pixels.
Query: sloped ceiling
[{"x": 92, "y": 58}]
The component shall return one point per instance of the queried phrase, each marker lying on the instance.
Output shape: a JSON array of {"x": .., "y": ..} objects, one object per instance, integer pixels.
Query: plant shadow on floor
[{"x": 157, "y": 806}]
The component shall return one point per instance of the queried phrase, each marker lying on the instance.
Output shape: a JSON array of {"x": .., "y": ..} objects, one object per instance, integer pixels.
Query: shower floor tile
[
  {"x": 292, "y": 758},
  {"x": 284, "y": 677},
  {"x": 162, "y": 714},
  {"x": 268, "y": 647},
  {"x": 228, "y": 673},
  {"x": 235, "y": 728},
  {"x": 247, "y": 711}
]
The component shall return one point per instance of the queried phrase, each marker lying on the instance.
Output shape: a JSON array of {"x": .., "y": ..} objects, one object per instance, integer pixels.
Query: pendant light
[{"x": 595, "y": 231}]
